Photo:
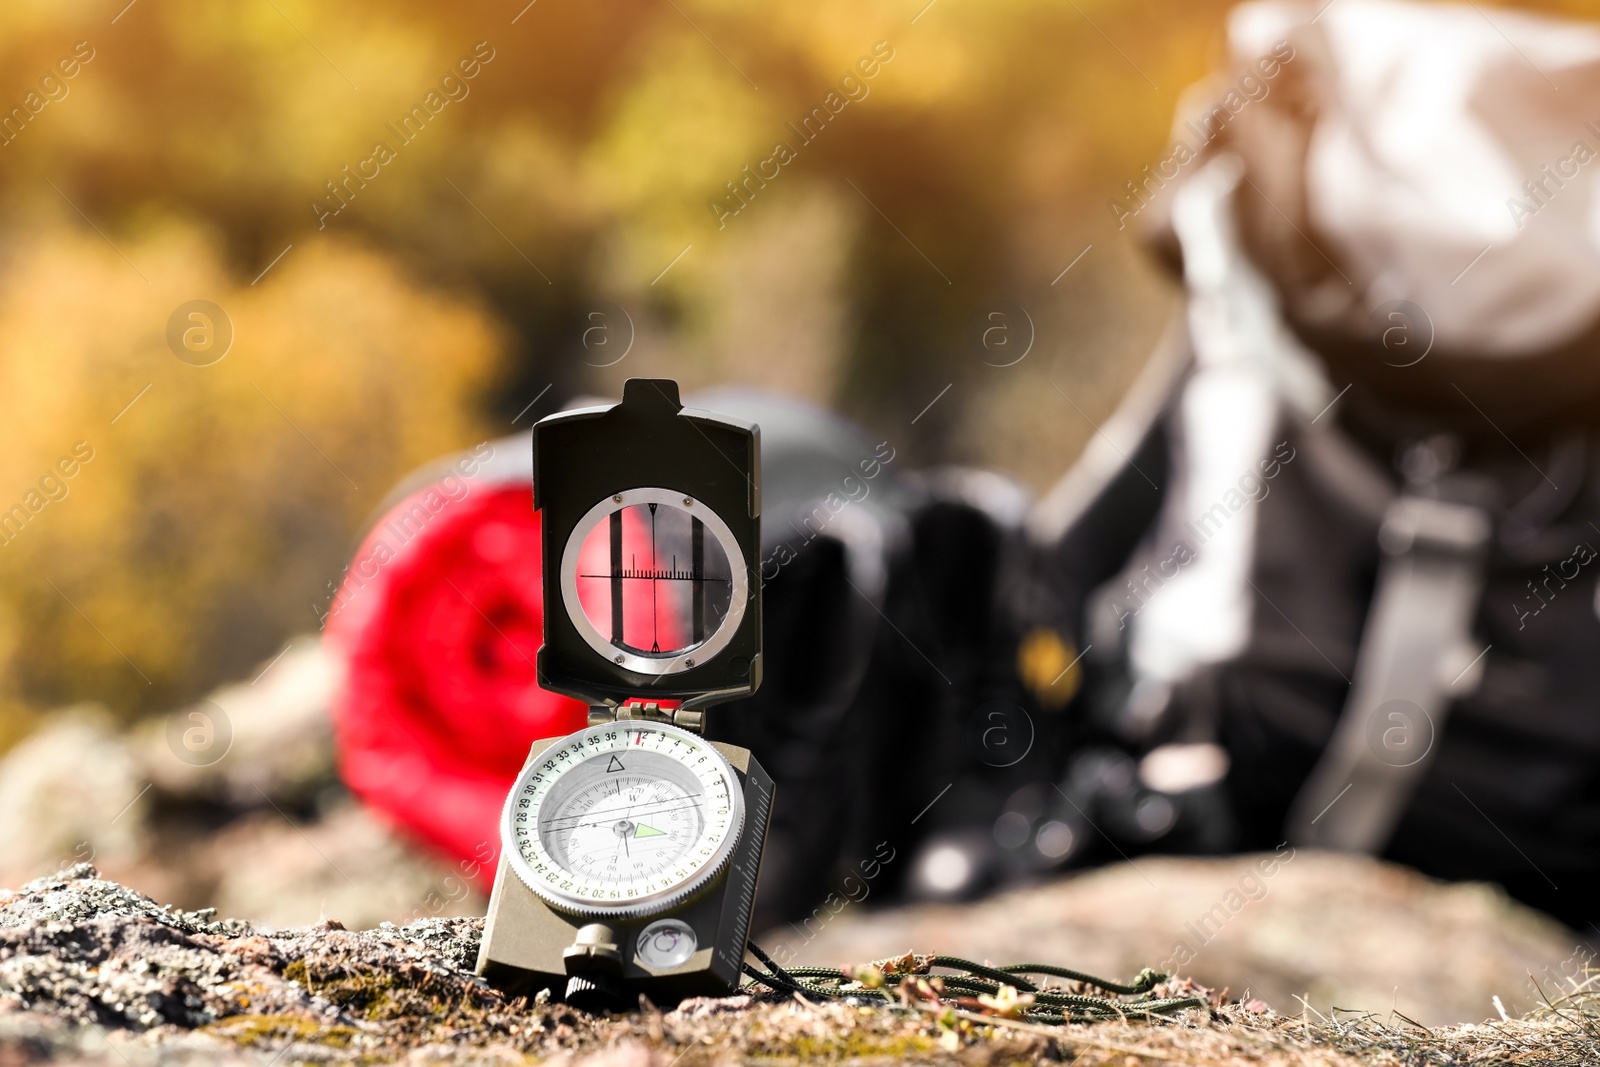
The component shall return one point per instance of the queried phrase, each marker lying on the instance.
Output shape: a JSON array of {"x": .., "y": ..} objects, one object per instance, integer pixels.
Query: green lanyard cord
[{"x": 1051, "y": 1006}]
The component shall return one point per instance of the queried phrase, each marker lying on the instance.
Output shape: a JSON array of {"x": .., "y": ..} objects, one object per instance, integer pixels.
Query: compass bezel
[{"x": 633, "y": 907}]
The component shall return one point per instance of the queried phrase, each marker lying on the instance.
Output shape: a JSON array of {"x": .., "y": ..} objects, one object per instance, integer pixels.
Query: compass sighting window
[{"x": 654, "y": 581}]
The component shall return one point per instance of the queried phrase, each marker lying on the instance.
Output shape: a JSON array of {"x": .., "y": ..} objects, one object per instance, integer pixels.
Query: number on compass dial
[{"x": 626, "y": 818}]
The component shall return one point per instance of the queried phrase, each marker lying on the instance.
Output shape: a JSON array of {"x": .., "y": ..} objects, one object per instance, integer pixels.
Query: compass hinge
[{"x": 650, "y": 711}]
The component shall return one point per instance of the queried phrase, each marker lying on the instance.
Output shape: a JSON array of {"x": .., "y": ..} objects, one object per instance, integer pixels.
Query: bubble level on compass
[{"x": 652, "y": 581}]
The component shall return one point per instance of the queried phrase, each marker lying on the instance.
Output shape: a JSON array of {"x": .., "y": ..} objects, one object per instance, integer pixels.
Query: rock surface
[
  {"x": 82, "y": 956},
  {"x": 1340, "y": 930},
  {"x": 91, "y": 972}
]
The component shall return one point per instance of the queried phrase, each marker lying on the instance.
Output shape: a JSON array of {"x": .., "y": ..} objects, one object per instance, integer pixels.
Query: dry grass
[{"x": 1565, "y": 1032}]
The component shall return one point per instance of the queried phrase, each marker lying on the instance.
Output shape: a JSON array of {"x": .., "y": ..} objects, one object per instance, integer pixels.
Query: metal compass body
[
  {"x": 624, "y": 819},
  {"x": 630, "y": 850}
]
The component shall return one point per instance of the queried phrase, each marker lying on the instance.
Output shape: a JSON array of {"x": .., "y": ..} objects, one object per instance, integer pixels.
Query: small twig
[{"x": 1412, "y": 1021}]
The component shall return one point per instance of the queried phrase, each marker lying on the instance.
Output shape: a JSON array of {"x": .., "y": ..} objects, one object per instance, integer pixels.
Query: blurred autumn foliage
[{"x": 575, "y": 170}]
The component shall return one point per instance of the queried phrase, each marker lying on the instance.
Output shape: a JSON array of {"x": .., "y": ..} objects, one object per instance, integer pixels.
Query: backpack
[{"x": 1333, "y": 565}]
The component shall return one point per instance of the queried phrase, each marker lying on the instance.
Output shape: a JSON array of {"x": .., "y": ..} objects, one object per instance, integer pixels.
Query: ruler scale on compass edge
[{"x": 630, "y": 849}]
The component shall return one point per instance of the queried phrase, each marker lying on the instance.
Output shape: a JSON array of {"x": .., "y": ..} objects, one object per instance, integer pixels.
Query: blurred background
[
  {"x": 554, "y": 169},
  {"x": 455, "y": 288}
]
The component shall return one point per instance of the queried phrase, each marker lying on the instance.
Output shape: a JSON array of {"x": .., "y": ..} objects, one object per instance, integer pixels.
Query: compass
[
  {"x": 623, "y": 820},
  {"x": 630, "y": 849}
]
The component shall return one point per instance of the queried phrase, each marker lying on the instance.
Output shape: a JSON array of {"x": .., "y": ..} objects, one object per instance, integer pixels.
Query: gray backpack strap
[{"x": 1411, "y": 662}]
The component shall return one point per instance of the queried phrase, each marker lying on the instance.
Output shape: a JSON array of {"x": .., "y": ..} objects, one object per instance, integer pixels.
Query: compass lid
[{"x": 650, "y": 516}]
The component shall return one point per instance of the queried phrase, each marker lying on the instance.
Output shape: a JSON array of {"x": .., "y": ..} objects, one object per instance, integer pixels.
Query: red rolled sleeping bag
[{"x": 439, "y": 620}]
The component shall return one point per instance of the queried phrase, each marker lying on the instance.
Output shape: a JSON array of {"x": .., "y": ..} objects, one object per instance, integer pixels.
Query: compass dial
[{"x": 623, "y": 819}]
